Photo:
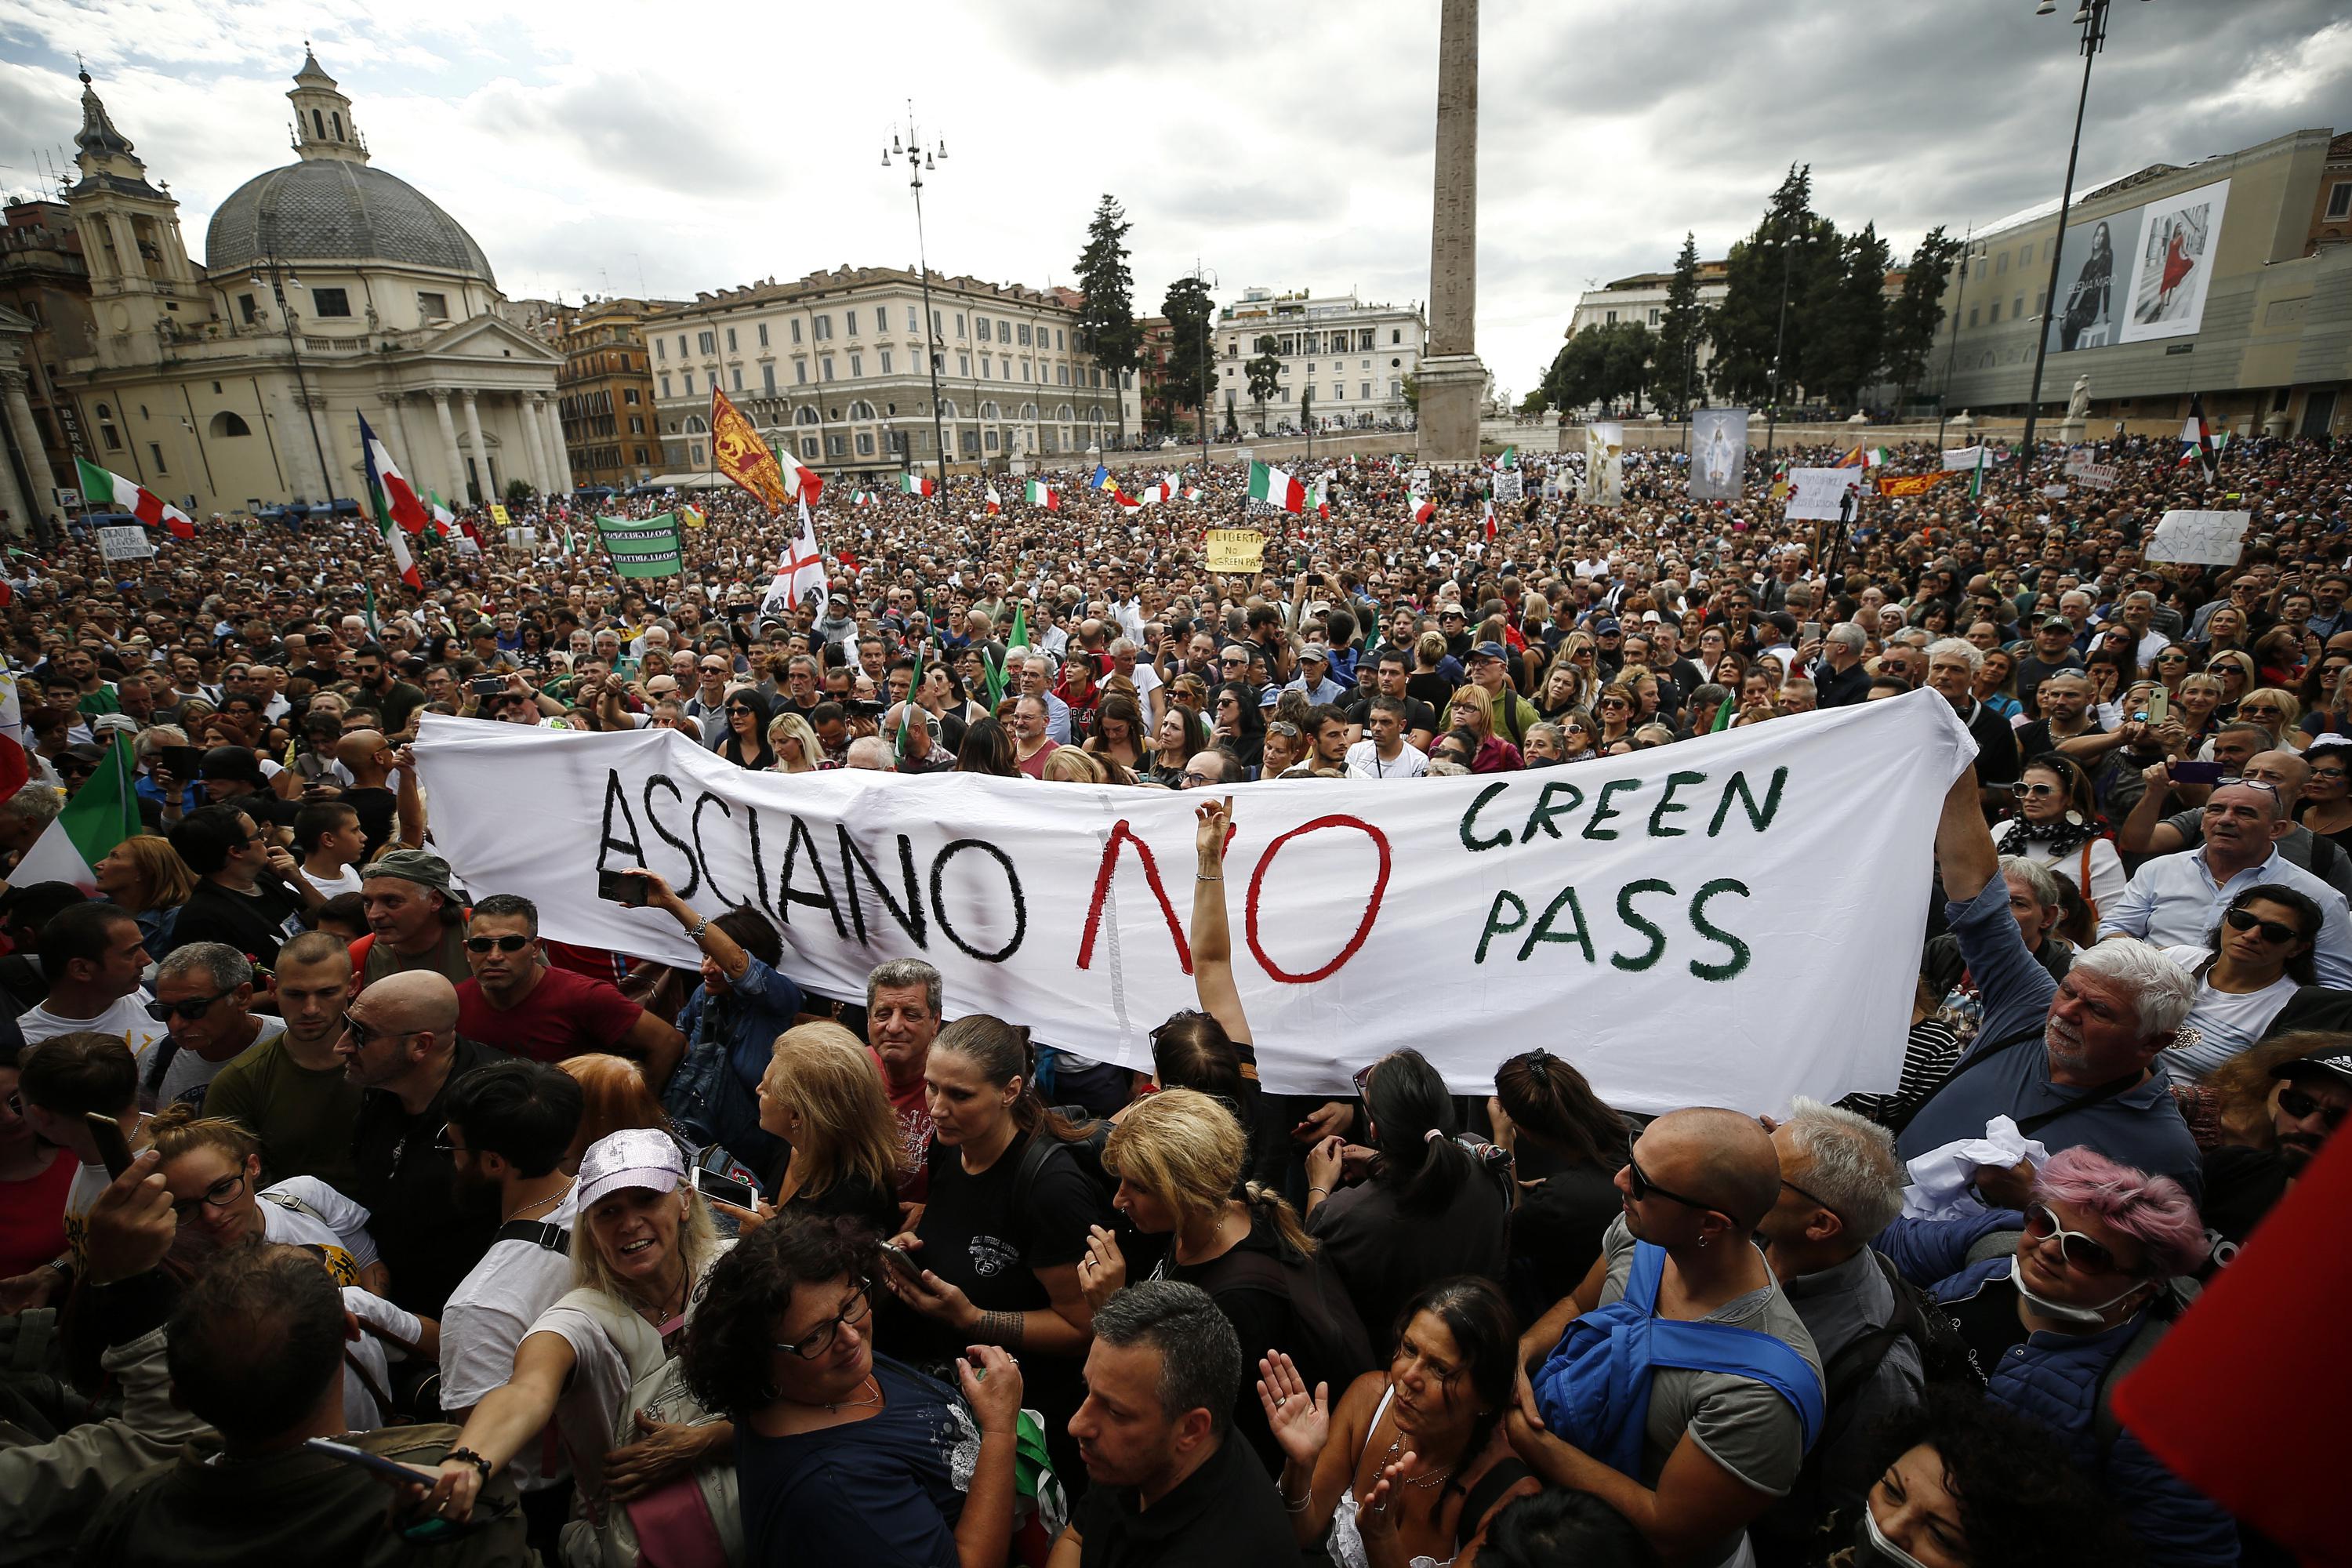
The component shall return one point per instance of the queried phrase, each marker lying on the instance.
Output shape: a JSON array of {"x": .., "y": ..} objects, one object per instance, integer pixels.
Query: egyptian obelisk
[{"x": 1452, "y": 380}]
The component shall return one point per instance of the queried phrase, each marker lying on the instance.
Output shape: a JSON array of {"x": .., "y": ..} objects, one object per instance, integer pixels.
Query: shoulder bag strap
[
  {"x": 2107, "y": 1090},
  {"x": 1973, "y": 1061},
  {"x": 538, "y": 1233}
]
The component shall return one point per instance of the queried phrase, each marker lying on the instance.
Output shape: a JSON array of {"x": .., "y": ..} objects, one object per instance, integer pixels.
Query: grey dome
[{"x": 331, "y": 209}]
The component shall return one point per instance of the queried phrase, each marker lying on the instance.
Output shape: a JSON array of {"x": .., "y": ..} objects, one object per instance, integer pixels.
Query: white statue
[{"x": 2078, "y": 402}]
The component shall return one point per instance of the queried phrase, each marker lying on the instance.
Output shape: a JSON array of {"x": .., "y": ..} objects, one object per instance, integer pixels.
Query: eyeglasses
[
  {"x": 1817, "y": 1201},
  {"x": 2033, "y": 791},
  {"x": 2302, "y": 1107},
  {"x": 186, "y": 1007},
  {"x": 1193, "y": 781},
  {"x": 2081, "y": 1252},
  {"x": 2259, "y": 710},
  {"x": 219, "y": 1195},
  {"x": 511, "y": 942},
  {"x": 2243, "y": 782},
  {"x": 2273, "y": 931},
  {"x": 819, "y": 1339},
  {"x": 1645, "y": 1188}
]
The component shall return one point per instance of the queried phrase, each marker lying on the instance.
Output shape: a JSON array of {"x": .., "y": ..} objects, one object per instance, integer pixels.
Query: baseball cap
[
  {"x": 421, "y": 867},
  {"x": 1605, "y": 627},
  {"x": 1448, "y": 609},
  {"x": 1488, "y": 651},
  {"x": 2337, "y": 1059},
  {"x": 632, "y": 1157},
  {"x": 1316, "y": 652},
  {"x": 2056, "y": 623}
]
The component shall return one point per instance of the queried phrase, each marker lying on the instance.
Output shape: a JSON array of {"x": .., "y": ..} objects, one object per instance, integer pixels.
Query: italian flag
[
  {"x": 1874, "y": 459},
  {"x": 914, "y": 484},
  {"x": 1192, "y": 492},
  {"x": 101, "y": 814},
  {"x": 1322, "y": 498},
  {"x": 444, "y": 521},
  {"x": 1040, "y": 493},
  {"x": 1490, "y": 519},
  {"x": 1423, "y": 510},
  {"x": 100, "y": 487},
  {"x": 398, "y": 512},
  {"x": 994, "y": 504},
  {"x": 1277, "y": 489},
  {"x": 801, "y": 482},
  {"x": 1510, "y": 460},
  {"x": 863, "y": 498}
]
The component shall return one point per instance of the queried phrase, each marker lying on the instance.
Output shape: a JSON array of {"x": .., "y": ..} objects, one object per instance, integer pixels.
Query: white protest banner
[
  {"x": 1716, "y": 922},
  {"x": 2097, "y": 476},
  {"x": 1510, "y": 486},
  {"x": 1960, "y": 458},
  {"x": 1814, "y": 493},
  {"x": 124, "y": 541},
  {"x": 2200, "y": 538}
]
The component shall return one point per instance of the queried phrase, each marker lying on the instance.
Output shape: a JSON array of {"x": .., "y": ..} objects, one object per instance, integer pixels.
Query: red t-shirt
[
  {"x": 33, "y": 1217},
  {"x": 566, "y": 1014},
  {"x": 913, "y": 1114},
  {"x": 1035, "y": 766}
]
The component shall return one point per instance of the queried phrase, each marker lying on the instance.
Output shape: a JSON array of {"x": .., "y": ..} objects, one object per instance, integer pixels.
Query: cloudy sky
[{"x": 605, "y": 146}]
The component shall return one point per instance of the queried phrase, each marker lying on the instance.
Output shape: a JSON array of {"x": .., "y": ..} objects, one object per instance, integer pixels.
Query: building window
[
  {"x": 800, "y": 373},
  {"x": 825, "y": 367},
  {"x": 980, "y": 328},
  {"x": 2339, "y": 200},
  {"x": 636, "y": 424},
  {"x": 330, "y": 302},
  {"x": 866, "y": 443},
  {"x": 885, "y": 362},
  {"x": 738, "y": 372},
  {"x": 1364, "y": 392},
  {"x": 661, "y": 349},
  {"x": 2001, "y": 264},
  {"x": 856, "y": 366},
  {"x": 796, "y": 329},
  {"x": 730, "y": 340},
  {"x": 1396, "y": 386},
  {"x": 1093, "y": 377},
  {"x": 1972, "y": 315},
  {"x": 808, "y": 446},
  {"x": 694, "y": 455},
  {"x": 665, "y": 384},
  {"x": 763, "y": 334},
  {"x": 1022, "y": 329},
  {"x": 1004, "y": 332},
  {"x": 1062, "y": 375},
  {"x": 850, "y": 317},
  {"x": 156, "y": 453},
  {"x": 2017, "y": 307},
  {"x": 963, "y": 366},
  {"x": 914, "y": 322},
  {"x": 432, "y": 306},
  {"x": 1996, "y": 312},
  {"x": 1396, "y": 334},
  {"x": 681, "y": 345},
  {"x": 226, "y": 422},
  {"x": 768, "y": 379},
  {"x": 629, "y": 396},
  {"x": 835, "y": 446},
  {"x": 992, "y": 440},
  {"x": 1024, "y": 370},
  {"x": 707, "y": 341},
  {"x": 1057, "y": 338},
  {"x": 960, "y": 332}
]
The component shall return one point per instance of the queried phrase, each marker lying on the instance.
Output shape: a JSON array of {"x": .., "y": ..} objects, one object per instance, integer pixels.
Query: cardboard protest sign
[
  {"x": 1236, "y": 549},
  {"x": 2200, "y": 538},
  {"x": 1814, "y": 493},
  {"x": 1715, "y": 923},
  {"x": 124, "y": 541}
]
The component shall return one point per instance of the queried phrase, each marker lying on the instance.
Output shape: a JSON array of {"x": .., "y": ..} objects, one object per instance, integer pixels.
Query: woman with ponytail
[
  {"x": 1178, "y": 1157},
  {"x": 1558, "y": 1133},
  {"x": 996, "y": 1251},
  {"x": 1432, "y": 1204}
]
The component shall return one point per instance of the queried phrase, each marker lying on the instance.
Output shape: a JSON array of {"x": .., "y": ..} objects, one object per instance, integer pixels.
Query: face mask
[
  {"x": 1871, "y": 1546},
  {"x": 2065, "y": 1312}
]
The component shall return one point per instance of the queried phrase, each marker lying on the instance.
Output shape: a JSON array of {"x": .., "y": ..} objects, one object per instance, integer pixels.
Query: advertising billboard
[
  {"x": 2173, "y": 264},
  {"x": 2094, "y": 282}
]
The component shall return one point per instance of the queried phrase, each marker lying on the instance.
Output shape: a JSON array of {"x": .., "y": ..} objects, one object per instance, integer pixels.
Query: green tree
[
  {"x": 1682, "y": 327},
  {"x": 1600, "y": 365},
  {"x": 1265, "y": 374},
  {"x": 1533, "y": 403},
  {"x": 1793, "y": 254},
  {"x": 1916, "y": 314},
  {"x": 1192, "y": 373},
  {"x": 1107, "y": 321},
  {"x": 1845, "y": 342},
  {"x": 519, "y": 491},
  {"x": 1409, "y": 389}
]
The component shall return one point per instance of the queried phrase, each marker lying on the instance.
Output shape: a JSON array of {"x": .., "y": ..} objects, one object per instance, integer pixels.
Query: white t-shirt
[
  {"x": 360, "y": 1411},
  {"x": 334, "y": 1223},
  {"x": 190, "y": 1075},
  {"x": 331, "y": 887},
  {"x": 585, "y": 1416},
  {"x": 1365, "y": 762},
  {"x": 487, "y": 1317},
  {"x": 2226, "y": 1023},
  {"x": 127, "y": 1020}
]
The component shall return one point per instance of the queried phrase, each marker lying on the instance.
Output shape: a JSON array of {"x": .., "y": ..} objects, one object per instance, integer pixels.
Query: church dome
[{"x": 333, "y": 209}]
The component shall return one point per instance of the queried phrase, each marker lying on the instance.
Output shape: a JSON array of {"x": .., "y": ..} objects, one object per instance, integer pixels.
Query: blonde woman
[
  {"x": 2276, "y": 712},
  {"x": 1178, "y": 1156},
  {"x": 796, "y": 746},
  {"x": 1079, "y": 767},
  {"x": 1471, "y": 711},
  {"x": 145, "y": 875},
  {"x": 823, "y": 1095}
]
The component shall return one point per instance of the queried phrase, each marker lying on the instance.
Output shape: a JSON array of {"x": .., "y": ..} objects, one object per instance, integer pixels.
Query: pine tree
[
  {"x": 1847, "y": 344},
  {"x": 1794, "y": 255},
  {"x": 1107, "y": 321},
  {"x": 1191, "y": 372},
  {"x": 1265, "y": 374},
  {"x": 1682, "y": 327},
  {"x": 1919, "y": 310}
]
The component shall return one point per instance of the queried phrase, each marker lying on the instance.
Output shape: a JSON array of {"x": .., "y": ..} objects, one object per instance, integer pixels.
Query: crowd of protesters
[{"x": 346, "y": 1217}]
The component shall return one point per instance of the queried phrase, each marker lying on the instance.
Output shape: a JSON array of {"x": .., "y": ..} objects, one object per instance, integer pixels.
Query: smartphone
[
  {"x": 488, "y": 685},
  {"x": 112, "y": 1147},
  {"x": 184, "y": 762},
  {"x": 2159, "y": 706},
  {"x": 899, "y": 1259},
  {"x": 625, "y": 888},
  {"x": 727, "y": 1189},
  {"x": 361, "y": 1460},
  {"x": 1809, "y": 631},
  {"x": 2197, "y": 773}
]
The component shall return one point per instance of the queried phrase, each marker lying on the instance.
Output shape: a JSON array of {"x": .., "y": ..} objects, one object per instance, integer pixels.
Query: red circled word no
[{"x": 1363, "y": 927}]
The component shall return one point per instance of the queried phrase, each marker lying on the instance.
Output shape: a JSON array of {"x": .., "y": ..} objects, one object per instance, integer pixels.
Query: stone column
[
  {"x": 527, "y": 411},
  {"x": 557, "y": 456},
  {"x": 449, "y": 453},
  {"x": 396, "y": 437},
  {"x": 28, "y": 435},
  {"x": 296, "y": 447},
  {"x": 483, "y": 476},
  {"x": 1451, "y": 378},
  {"x": 12, "y": 501}
]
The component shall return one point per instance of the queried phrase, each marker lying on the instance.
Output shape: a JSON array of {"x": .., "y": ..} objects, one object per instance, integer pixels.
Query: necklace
[
  {"x": 538, "y": 1202},
  {"x": 655, "y": 1314},
  {"x": 1396, "y": 1446},
  {"x": 859, "y": 1404}
]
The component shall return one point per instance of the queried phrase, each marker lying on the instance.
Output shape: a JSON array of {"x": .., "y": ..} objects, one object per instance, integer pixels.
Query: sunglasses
[
  {"x": 189, "y": 1008},
  {"x": 2032, "y": 791},
  {"x": 2079, "y": 1251},
  {"x": 508, "y": 944},
  {"x": 2302, "y": 1107},
  {"x": 2272, "y": 932},
  {"x": 1645, "y": 1188},
  {"x": 737, "y": 708}
]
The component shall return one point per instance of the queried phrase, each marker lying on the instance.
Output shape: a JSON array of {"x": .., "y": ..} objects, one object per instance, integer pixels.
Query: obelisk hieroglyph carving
[{"x": 1451, "y": 381}]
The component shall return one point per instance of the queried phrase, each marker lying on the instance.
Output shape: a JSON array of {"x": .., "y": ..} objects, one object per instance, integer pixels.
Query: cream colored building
[
  {"x": 1354, "y": 356},
  {"x": 830, "y": 367},
  {"x": 330, "y": 290}
]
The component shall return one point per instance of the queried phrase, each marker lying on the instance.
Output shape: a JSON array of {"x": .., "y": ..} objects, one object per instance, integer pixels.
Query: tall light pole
[
  {"x": 1779, "y": 341},
  {"x": 2092, "y": 18},
  {"x": 278, "y": 274},
  {"x": 1969, "y": 258},
  {"x": 1207, "y": 385},
  {"x": 919, "y": 159}
]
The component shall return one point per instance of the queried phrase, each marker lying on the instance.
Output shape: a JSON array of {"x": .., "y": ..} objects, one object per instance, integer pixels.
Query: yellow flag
[{"x": 738, "y": 452}]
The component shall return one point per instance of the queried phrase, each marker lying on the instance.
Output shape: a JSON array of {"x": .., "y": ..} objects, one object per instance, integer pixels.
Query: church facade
[{"x": 330, "y": 290}]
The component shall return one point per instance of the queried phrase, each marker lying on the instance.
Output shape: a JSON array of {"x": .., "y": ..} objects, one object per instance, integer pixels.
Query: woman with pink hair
[{"x": 2085, "y": 1294}]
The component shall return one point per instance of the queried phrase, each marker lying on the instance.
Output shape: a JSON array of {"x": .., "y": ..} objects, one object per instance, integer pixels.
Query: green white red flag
[
  {"x": 1277, "y": 489},
  {"x": 1040, "y": 493},
  {"x": 398, "y": 510},
  {"x": 914, "y": 484},
  {"x": 102, "y": 487}
]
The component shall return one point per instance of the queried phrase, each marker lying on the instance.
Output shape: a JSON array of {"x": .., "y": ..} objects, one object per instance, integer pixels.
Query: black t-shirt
[
  {"x": 1428, "y": 686},
  {"x": 1418, "y": 715},
  {"x": 1556, "y": 1232},
  {"x": 1385, "y": 1253},
  {"x": 423, "y": 1236},
  {"x": 1262, "y": 1321},
  {"x": 255, "y": 924},
  {"x": 1227, "y": 1513}
]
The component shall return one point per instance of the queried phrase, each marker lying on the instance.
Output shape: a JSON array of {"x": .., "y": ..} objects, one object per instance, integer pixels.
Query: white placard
[
  {"x": 1510, "y": 486},
  {"x": 124, "y": 541},
  {"x": 1463, "y": 917},
  {"x": 2097, "y": 476},
  {"x": 1814, "y": 493},
  {"x": 2200, "y": 538}
]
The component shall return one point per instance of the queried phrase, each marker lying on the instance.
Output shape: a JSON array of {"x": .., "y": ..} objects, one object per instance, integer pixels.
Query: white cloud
[{"x": 590, "y": 144}]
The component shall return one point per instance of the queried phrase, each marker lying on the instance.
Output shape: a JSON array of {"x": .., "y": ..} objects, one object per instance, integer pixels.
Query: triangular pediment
[{"x": 492, "y": 338}]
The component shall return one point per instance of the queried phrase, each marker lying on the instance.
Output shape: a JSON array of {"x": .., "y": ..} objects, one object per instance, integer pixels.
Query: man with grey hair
[
  {"x": 871, "y": 753},
  {"x": 1841, "y": 1184},
  {"x": 1952, "y": 667},
  {"x": 902, "y": 1019},
  {"x": 26, "y": 814},
  {"x": 1799, "y": 695},
  {"x": 1036, "y": 679},
  {"x": 2071, "y": 1061},
  {"x": 203, "y": 995},
  {"x": 1169, "y": 1482}
]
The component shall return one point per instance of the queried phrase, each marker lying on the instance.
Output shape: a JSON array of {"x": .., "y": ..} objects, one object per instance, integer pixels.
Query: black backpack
[{"x": 1333, "y": 1345}]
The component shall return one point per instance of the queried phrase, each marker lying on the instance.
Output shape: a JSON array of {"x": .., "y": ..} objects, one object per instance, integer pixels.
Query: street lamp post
[
  {"x": 279, "y": 274},
  {"x": 1206, "y": 385},
  {"x": 1951, "y": 352},
  {"x": 919, "y": 159},
  {"x": 1780, "y": 341},
  {"x": 2092, "y": 18}
]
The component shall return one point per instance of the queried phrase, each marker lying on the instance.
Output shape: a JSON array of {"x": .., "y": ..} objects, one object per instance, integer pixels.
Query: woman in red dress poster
[{"x": 2176, "y": 265}]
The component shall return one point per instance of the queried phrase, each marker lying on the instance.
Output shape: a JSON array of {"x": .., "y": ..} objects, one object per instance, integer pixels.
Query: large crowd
[{"x": 347, "y": 1217}]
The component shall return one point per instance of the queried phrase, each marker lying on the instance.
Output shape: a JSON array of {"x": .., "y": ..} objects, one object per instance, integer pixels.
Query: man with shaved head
[
  {"x": 400, "y": 1046},
  {"x": 1681, "y": 1306}
]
